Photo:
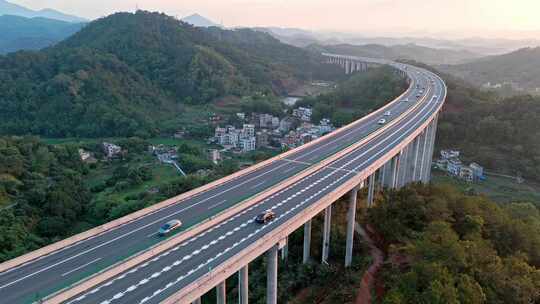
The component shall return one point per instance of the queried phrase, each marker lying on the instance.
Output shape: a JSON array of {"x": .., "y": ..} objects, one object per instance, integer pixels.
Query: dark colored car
[{"x": 265, "y": 217}]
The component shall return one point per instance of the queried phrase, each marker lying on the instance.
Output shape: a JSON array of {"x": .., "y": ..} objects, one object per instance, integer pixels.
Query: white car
[
  {"x": 387, "y": 113},
  {"x": 382, "y": 121},
  {"x": 169, "y": 226}
]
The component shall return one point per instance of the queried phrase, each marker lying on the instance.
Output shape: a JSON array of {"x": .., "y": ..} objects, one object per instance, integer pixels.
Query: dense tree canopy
[
  {"x": 499, "y": 133},
  {"x": 41, "y": 194},
  {"x": 125, "y": 74},
  {"x": 448, "y": 247},
  {"x": 356, "y": 96}
]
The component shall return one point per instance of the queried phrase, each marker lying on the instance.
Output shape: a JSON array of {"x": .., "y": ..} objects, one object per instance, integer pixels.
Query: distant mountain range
[
  {"x": 198, "y": 20},
  {"x": 415, "y": 52},
  {"x": 520, "y": 68},
  {"x": 8, "y": 8},
  {"x": 20, "y": 33},
  {"x": 482, "y": 46}
]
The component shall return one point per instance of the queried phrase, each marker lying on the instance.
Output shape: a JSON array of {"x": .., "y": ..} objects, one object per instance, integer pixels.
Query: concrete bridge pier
[
  {"x": 221, "y": 293},
  {"x": 403, "y": 167},
  {"x": 432, "y": 146},
  {"x": 394, "y": 170},
  {"x": 198, "y": 301},
  {"x": 422, "y": 155},
  {"x": 371, "y": 189},
  {"x": 243, "y": 285},
  {"x": 428, "y": 152},
  {"x": 307, "y": 242},
  {"x": 271, "y": 275},
  {"x": 383, "y": 175},
  {"x": 415, "y": 158},
  {"x": 285, "y": 249},
  {"x": 351, "y": 221},
  {"x": 326, "y": 233}
]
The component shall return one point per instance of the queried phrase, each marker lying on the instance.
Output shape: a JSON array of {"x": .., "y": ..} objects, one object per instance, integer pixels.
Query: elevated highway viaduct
[{"x": 125, "y": 262}]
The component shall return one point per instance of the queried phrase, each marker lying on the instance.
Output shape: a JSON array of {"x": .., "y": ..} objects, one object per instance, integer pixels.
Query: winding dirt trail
[{"x": 368, "y": 279}]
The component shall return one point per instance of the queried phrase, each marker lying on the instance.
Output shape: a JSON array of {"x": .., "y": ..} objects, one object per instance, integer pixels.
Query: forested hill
[
  {"x": 500, "y": 133},
  {"x": 124, "y": 74},
  {"x": 521, "y": 68}
]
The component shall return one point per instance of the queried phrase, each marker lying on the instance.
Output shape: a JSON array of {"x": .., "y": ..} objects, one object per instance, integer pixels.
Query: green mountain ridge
[
  {"x": 8, "y": 8},
  {"x": 522, "y": 68},
  {"x": 20, "y": 33},
  {"x": 125, "y": 74}
]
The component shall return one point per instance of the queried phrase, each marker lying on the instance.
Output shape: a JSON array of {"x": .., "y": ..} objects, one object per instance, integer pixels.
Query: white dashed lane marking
[
  {"x": 80, "y": 267},
  {"x": 217, "y": 204}
]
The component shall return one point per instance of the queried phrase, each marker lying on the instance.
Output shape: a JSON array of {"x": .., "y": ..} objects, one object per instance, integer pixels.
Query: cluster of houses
[
  {"x": 109, "y": 150},
  {"x": 230, "y": 137},
  {"x": 305, "y": 133},
  {"x": 449, "y": 161},
  {"x": 304, "y": 114},
  {"x": 266, "y": 131},
  {"x": 164, "y": 153}
]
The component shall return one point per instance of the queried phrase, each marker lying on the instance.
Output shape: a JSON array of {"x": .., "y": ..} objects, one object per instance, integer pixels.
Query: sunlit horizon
[{"x": 442, "y": 19}]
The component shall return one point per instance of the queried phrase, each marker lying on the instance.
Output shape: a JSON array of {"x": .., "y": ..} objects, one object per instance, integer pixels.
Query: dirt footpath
[{"x": 368, "y": 279}]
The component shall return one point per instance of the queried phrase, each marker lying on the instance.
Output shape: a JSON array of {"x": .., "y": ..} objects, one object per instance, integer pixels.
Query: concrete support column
[
  {"x": 415, "y": 157},
  {"x": 423, "y": 154},
  {"x": 285, "y": 249},
  {"x": 431, "y": 149},
  {"x": 271, "y": 275},
  {"x": 402, "y": 167},
  {"x": 428, "y": 153},
  {"x": 243, "y": 285},
  {"x": 198, "y": 301},
  {"x": 382, "y": 175},
  {"x": 221, "y": 293},
  {"x": 410, "y": 162},
  {"x": 307, "y": 241},
  {"x": 394, "y": 171},
  {"x": 388, "y": 173},
  {"x": 351, "y": 220},
  {"x": 371, "y": 190},
  {"x": 326, "y": 233},
  {"x": 425, "y": 165}
]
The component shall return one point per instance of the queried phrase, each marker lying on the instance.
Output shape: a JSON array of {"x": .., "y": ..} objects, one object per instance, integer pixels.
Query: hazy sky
[{"x": 464, "y": 17}]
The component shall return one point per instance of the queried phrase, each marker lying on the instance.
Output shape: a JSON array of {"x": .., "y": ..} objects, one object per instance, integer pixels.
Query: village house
[{"x": 111, "y": 150}]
